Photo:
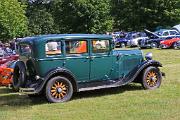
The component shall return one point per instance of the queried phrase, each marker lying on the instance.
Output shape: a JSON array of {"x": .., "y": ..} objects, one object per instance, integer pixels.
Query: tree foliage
[
  {"x": 82, "y": 16},
  {"x": 13, "y": 22},
  {"x": 140, "y": 14},
  {"x": 85, "y": 16}
]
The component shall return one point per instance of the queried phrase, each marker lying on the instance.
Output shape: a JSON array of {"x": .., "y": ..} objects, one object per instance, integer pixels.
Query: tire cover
[{"x": 19, "y": 76}]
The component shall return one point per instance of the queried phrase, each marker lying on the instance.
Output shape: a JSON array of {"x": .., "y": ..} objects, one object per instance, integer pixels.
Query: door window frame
[
  {"x": 100, "y": 53},
  {"x": 61, "y": 48},
  {"x": 76, "y": 54}
]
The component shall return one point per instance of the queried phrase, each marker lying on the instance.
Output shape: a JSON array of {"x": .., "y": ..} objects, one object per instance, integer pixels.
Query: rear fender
[{"x": 59, "y": 72}]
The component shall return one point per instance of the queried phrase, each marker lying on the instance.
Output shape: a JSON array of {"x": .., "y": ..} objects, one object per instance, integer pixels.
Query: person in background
[{"x": 7, "y": 48}]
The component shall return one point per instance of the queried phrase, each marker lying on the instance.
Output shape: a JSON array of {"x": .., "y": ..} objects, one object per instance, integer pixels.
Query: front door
[{"x": 100, "y": 60}]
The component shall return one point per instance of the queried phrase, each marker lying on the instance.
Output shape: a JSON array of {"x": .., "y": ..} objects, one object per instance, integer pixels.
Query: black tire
[
  {"x": 19, "y": 75},
  {"x": 175, "y": 46},
  {"x": 154, "y": 45},
  {"x": 151, "y": 78},
  {"x": 59, "y": 89}
]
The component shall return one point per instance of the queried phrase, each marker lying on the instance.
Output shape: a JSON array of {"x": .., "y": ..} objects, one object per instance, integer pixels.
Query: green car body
[{"x": 88, "y": 61}]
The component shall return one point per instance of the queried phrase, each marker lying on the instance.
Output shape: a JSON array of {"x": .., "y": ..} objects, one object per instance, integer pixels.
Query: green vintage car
[{"x": 61, "y": 64}]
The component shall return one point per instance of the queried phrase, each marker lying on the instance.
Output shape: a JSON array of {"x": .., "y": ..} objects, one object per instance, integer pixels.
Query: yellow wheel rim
[
  {"x": 59, "y": 90},
  {"x": 152, "y": 78}
]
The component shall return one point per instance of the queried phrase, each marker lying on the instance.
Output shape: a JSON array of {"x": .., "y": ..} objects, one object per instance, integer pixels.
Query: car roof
[
  {"x": 63, "y": 36},
  {"x": 164, "y": 30}
]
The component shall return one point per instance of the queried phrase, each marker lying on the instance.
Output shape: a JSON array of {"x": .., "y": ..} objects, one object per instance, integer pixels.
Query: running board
[
  {"x": 97, "y": 87},
  {"x": 27, "y": 91}
]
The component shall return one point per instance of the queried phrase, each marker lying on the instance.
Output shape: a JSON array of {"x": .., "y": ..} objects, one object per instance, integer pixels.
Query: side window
[
  {"x": 100, "y": 46},
  {"x": 173, "y": 33},
  {"x": 76, "y": 46},
  {"x": 53, "y": 48},
  {"x": 165, "y": 34}
]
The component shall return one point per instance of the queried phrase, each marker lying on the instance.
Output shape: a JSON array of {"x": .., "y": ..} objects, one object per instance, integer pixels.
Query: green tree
[
  {"x": 13, "y": 22},
  {"x": 82, "y": 16},
  {"x": 140, "y": 14},
  {"x": 40, "y": 22}
]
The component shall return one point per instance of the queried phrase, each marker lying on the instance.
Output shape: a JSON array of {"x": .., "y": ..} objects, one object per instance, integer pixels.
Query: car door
[
  {"x": 77, "y": 58},
  {"x": 100, "y": 60}
]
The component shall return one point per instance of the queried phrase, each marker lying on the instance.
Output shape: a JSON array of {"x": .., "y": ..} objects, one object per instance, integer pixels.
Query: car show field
[{"x": 126, "y": 102}]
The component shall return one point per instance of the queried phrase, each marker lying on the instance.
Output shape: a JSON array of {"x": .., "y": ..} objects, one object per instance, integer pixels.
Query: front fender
[{"x": 137, "y": 71}]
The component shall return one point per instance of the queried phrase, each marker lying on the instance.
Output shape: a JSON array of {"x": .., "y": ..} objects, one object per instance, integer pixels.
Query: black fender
[
  {"x": 55, "y": 72},
  {"x": 138, "y": 70}
]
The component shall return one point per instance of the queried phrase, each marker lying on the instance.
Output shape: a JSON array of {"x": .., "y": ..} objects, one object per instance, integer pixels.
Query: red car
[
  {"x": 6, "y": 73},
  {"x": 169, "y": 43},
  {"x": 4, "y": 57}
]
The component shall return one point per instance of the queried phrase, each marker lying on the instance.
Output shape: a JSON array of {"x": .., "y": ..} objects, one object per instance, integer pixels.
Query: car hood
[
  {"x": 120, "y": 39},
  {"x": 129, "y": 52},
  {"x": 151, "y": 34}
]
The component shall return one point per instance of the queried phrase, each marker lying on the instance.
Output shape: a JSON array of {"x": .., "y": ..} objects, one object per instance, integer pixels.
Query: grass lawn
[{"x": 129, "y": 102}]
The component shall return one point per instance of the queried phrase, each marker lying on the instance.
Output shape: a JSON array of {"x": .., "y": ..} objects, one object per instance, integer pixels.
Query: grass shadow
[
  {"x": 10, "y": 98},
  {"x": 107, "y": 91}
]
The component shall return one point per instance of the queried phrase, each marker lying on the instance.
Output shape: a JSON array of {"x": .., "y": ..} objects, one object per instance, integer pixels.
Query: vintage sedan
[{"x": 62, "y": 64}]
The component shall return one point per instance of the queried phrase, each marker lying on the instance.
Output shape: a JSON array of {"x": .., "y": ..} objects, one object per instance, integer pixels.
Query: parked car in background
[
  {"x": 131, "y": 39},
  {"x": 151, "y": 43},
  {"x": 178, "y": 45},
  {"x": 156, "y": 37},
  {"x": 135, "y": 38},
  {"x": 77, "y": 64},
  {"x": 121, "y": 40},
  {"x": 5, "y": 57},
  {"x": 169, "y": 43},
  {"x": 167, "y": 33},
  {"x": 6, "y": 73},
  {"x": 176, "y": 27}
]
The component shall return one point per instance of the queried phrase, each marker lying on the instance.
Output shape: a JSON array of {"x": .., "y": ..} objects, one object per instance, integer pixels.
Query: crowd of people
[{"x": 7, "y": 48}]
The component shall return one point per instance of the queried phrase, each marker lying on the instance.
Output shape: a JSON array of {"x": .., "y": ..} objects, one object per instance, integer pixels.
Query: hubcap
[
  {"x": 153, "y": 45},
  {"x": 152, "y": 78},
  {"x": 59, "y": 90}
]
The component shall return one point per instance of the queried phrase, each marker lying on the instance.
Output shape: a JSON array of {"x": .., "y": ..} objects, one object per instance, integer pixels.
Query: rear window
[{"x": 25, "y": 49}]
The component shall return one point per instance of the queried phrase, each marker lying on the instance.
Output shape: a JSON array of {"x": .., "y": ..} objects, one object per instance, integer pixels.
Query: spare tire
[{"x": 19, "y": 76}]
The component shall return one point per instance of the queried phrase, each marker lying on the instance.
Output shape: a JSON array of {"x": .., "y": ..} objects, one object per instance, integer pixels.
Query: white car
[
  {"x": 176, "y": 27},
  {"x": 136, "y": 38}
]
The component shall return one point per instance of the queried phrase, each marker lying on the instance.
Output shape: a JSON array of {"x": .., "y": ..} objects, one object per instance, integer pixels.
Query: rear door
[{"x": 77, "y": 58}]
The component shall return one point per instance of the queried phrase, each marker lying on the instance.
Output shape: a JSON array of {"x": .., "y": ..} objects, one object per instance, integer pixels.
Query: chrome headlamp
[{"x": 148, "y": 56}]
